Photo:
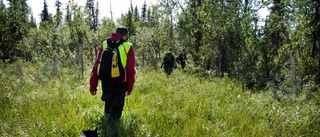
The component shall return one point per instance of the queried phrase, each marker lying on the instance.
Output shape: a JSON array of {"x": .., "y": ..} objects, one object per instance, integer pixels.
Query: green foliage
[
  {"x": 3, "y": 26},
  {"x": 147, "y": 46},
  {"x": 144, "y": 12},
  {"x": 57, "y": 19},
  {"x": 219, "y": 36},
  {"x": 136, "y": 14},
  {"x": 45, "y": 15},
  {"x": 178, "y": 105},
  {"x": 68, "y": 13},
  {"x": 37, "y": 105},
  {"x": 92, "y": 14},
  {"x": 14, "y": 28},
  {"x": 32, "y": 21}
]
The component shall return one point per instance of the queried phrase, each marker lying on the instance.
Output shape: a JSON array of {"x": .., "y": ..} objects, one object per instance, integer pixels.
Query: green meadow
[{"x": 34, "y": 103}]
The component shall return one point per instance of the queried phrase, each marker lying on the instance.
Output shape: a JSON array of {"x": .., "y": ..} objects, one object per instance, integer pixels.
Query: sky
[{"x": 118, "y": 6}]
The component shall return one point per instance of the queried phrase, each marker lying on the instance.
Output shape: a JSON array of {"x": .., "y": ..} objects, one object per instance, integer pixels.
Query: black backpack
[
  {"x": 181, "y": 57},
  {"x": 169, "y": 59},
  {"x": 110, "y": 68}
]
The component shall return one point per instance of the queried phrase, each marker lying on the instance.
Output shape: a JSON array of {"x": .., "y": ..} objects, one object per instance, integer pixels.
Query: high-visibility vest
[{"x": 123, "y": 51}]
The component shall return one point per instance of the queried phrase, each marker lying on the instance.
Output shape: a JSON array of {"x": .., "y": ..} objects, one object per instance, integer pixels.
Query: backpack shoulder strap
[{"x": 112, "y": 44}]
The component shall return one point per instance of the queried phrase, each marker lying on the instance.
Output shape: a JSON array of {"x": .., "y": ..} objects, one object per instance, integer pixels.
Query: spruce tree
[
  {"x": 144, "y": 12},
  {"x": 90, "y": 6},
  {"x": 45, "y": 13},
  {"x": 68, "y": 13},
  {"x": 58, "y": 15},
  {"x": 32, "y": 22},
  {"x": 96, "y": 17},
  {"x": 17, "y": 28},
  {"x": 3, "y": 28},
  {"x": 136, "y": 14}
]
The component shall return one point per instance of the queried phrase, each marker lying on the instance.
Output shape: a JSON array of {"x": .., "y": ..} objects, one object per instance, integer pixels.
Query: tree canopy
[{"x": 220, "y": 36}]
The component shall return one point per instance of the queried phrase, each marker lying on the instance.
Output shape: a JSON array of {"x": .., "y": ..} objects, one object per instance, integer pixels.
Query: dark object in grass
[{"x": 90, "y": 133}]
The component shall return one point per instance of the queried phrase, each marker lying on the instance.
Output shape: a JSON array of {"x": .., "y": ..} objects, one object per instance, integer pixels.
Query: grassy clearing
[
  {"x": 179, "y": 105},
  {"x": 37, "y": 105}
]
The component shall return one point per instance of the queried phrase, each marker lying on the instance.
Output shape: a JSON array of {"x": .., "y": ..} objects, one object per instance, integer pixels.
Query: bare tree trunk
[
  {"x": 316, "y": 38},
  {"x": 317, "y": 42},
  {"x": 111, "y": 10},
  {"x": 81, "y": 59},
  {"x": 143, "y": 57}
]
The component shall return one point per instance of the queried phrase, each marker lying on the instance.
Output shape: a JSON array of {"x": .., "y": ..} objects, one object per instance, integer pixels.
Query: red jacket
[{"x": 130, "y": 68}]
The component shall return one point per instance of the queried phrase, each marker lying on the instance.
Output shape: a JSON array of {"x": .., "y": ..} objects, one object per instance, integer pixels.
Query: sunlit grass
[
  {"x": 35, "y": 104},
  {"x": 39, "y": 105}
]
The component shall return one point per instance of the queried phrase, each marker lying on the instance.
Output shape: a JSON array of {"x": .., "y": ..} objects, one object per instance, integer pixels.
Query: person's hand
[
  {"x": 128, "y": 93},
  {"x": 93, "y": 92}
]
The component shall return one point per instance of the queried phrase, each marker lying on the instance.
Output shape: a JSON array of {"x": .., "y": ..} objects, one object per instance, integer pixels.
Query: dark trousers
[
  {"x": 183, "y": 65},
  {"x": 113, "y": 95},
  {"x": 168, "y": 68}
]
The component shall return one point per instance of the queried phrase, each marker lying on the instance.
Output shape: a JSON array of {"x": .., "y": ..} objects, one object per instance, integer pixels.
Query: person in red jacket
[{"x": 113, "y": 94}]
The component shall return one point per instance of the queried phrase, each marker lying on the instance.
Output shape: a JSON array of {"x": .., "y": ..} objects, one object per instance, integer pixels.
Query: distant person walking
[
  {"x": 183, "y": 59},
  {"x": 169, "y": 61},
  {"x": 117, "y": 81}
]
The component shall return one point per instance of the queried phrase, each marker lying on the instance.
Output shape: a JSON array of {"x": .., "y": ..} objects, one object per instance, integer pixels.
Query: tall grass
[
  {"x": 182, "y": 104},
  {"x": 35, "y": 104}
]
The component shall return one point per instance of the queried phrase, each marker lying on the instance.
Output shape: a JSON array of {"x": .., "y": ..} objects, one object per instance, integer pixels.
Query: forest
[
  {"x": 221, "y": 37},
  {"x": 247, "y": 75}
]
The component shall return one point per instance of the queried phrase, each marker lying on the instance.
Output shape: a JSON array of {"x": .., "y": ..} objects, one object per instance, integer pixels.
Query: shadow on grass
[{"x": 121, "y": 129}]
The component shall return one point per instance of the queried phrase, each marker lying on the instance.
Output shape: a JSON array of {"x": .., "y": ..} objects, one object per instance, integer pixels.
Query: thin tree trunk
[
  {"x": 316, "y": 38},
  {"x": 317, "y": 44}
]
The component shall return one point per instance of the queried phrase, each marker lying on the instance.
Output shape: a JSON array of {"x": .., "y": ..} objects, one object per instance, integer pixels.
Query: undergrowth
[{"x": 35, "y": 103}]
